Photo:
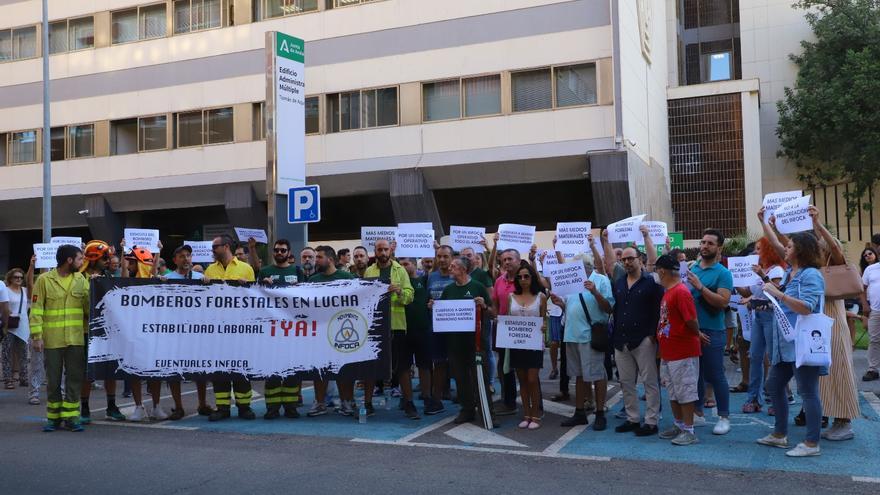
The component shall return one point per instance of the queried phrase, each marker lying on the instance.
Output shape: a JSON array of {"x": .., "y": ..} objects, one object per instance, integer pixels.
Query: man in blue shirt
[{"x": 711, "y": 285}]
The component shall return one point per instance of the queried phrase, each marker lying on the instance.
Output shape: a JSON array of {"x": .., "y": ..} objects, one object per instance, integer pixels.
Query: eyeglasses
[
  {"x": 867, "y": 254},
  {"x": 280, "y": 250},
  {"x": 215, "y": 246},
  {"x": 628, "y": 259},
  {"x": 16, "y": 277},
  {"x": 524, "y": 276}
]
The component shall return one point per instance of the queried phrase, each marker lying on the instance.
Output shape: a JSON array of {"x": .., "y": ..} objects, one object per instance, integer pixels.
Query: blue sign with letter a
[{"x": 304, "y": 204}]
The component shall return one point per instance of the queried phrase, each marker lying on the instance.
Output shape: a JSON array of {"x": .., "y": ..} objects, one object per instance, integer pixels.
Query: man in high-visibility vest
[
  {"x": 228, "y": 267},
  {"x": 59, "y": 318}
]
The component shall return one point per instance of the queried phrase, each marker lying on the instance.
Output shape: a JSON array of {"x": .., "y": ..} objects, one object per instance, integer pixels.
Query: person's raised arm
[
  {"x": 609, "y": 253},
  {"x": 29, "y": 277},
  {"x": 650, "y": 249},
  {"x": 598, "y": 259},
  {"x": 154, "y": 270},
  {"x": 834, "y": 249},
  {"x": 492, "y": 256},
  {"x": 771, "y": 235},
  {"x": 253, "y": 256},
  {"x": 123, "y": 261}
]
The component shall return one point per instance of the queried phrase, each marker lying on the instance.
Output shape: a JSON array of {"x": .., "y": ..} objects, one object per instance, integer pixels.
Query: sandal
[
  {"x": 10, "y": 384},
  {"x": 742, "y": 387},
  {"x": 524, "y": 423},
  {"x": 751, "y": 407},
  {"x": 554, "y": 374},
  {"x": 534, "y": 424},
  {"x": 709, "y": 404}
]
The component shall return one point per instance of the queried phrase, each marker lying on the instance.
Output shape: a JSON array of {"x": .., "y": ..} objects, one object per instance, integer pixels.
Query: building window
[
  {"x": 334, "y": 4},
  {"x": 531, "y": 90},
  {"x": 198, "y": 15},
  {"x": 140, "y": 23},
  {"x": 361, "y": 109},
  {"x": 716, "y": 66},
  {"x": 152, "y": 133},
  {"x": 204, "y": 127},
  {"x": 575, "y": 85},
  {"x": 123, "y": 137},
  {"x": 268, "y": 9},
  {"x": 71, "y": 35},
  {"x": 58, "y": 37},
  {"x": 313, "y": 115},
  {"x": 441, "y": 100},
  {"x": 22, "y": 147},
  {"x": 56, "y": 140},
  {"x": 258, "y": 121},
  {"x": 482, "y": 95},
  {"x": 3, "y": 143},
  {"x": 80, "y": 141},
  {"x": 18, "y": 44}
]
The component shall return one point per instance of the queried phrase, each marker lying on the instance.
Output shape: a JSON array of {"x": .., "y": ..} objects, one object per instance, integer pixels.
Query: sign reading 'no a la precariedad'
[{"x": 290, "y": 96}]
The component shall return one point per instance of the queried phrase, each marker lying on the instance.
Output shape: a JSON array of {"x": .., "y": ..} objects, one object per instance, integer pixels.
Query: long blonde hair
[{"x": 12, "y": 272}]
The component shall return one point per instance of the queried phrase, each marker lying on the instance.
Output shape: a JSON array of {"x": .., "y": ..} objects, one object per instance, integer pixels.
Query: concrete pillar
[
  {"x": 243, "y": 208},
  {"x": 609, "y": 184},
  {"x": 412, "y": 200},
  {"x": 104, "y": 223}
]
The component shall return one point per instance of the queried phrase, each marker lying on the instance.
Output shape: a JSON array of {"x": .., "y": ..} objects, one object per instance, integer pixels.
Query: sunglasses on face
[
  {"x": 17, "y": 277},
  {"x": 868, "y": 255},
  {"x": 628, "y": 259},
  {"x": 280, "y": 250}
]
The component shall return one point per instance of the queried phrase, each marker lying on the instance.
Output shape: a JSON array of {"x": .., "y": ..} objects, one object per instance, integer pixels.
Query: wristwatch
[{"x": 765, "y": 278}]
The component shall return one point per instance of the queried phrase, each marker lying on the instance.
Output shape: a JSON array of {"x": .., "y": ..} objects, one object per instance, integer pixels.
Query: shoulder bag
[{"x": 599, "y": 340}]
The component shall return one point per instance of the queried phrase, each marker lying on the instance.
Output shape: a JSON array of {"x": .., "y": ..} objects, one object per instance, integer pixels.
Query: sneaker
[
  {"x": 621, "y": 414},
  {"x": 871, "y": 375},
  {"x": 74, "y": 426},
  {"x": 463, "y": 417},
  {"x": 34, "y": 401},
  {"x": 317, "y": 409},
  {"x": 433, "y": 407},
  {"x": 685, "y": 438},
  {"x": 504, "y": 410},
  {"x": 346, "y": 408},
  {"x": 771, "y": 411},
  {"x": 410, "y": 410},
  {"x": 290, "y": 412},
  {"x": 772, "y": 441},
  {"x": 646, "y": 430},
  {"x": 839, "y": 433},
  {"x": 699, "y": 421},
  {"x": 791, "y": 400},
  {"x": 85, "y": 418},
  {"x": 600, "y": 423},
  {"x": 627, "y": 427},
  {"x": 50, "y": 426},
  {"x": 395, "y": 392},
  {"x": 219, "y": 415},
  {"x": 114, "y": 414},
  {"x": 139, "y": 414},
  {"x": 671, "y": 433},
  {"x": 177, "y": 414},
  {"x": 245, "y": 412},
  {"x": 158, "y": 413},
  {"x": 205, "y": 411},
  {"x": 561, "y": 398},
  {"x": 578, "y": 418},
  {"x": 370, "y": 411},
  {"x": 272, "y": 412},
  {"x": 802, "y": 450},
  {"x": 722, "y": 427}
]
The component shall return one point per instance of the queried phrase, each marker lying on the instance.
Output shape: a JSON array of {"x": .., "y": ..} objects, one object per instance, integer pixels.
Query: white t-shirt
[
  {"x": 775, "y": 272},
  {"x": 871, "y": 279},
  {"x": 4, "y": 294},
  {"x": 16, "y": 300}
]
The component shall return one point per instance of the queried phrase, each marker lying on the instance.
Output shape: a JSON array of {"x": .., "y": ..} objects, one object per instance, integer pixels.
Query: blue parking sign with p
[{"x": 304, "y": 204}]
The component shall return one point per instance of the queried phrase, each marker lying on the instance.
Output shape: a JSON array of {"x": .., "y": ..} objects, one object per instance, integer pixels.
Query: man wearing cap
[
  {"x": 97, "y": 259},
  {"x": 228, "y": 267}
]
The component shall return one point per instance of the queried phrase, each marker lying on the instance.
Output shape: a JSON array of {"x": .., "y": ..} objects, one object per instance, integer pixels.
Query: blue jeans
[
  {"x": 808, "y": 388},
  {"x": 712, "y": 371},
  {"x": 762, "y": 333}
]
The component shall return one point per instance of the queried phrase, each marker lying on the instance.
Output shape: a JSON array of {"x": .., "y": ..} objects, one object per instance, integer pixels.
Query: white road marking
[
  {"x": 426, "y": 430},
  {"x": 873, "y": 401},
  {"x": 865, "y": 479},
  {"x": 158, "y": 426},
  {"x": 485, "y": 449},
  {"x": 564, "y": 440},
  {"x": 472, "y": 434}
]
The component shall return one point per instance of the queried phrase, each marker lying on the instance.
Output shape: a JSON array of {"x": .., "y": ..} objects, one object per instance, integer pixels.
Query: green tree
[{"x": 829, "y": 123}]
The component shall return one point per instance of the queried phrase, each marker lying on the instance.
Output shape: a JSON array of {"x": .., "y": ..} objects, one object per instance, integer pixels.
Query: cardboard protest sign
[
  {"x": 741, "y": 270},
  {"x": 369, "y": 236},
  {"x": 202, "y": 251},
  {"x": 566, "y": 278},
  {"x": 259, "y": 235},
  {"x": 145, "y": 238},
  {"x": 520, "y": 332},
  {"x": 414, "y": 243},
  {"x": 573, "y": 237},
  {"x": 458, "y": 315},
  {"x": 519, "y": 237},
  {"x": 626, "y": 230},
  {"x": 466, "y": 237},
  {"x": 773, "y": 201},
  {"x": 794, "y": 216}
]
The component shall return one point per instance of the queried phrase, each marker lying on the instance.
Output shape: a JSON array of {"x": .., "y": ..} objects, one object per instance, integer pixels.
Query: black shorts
[{"x": 405, "y": 345}]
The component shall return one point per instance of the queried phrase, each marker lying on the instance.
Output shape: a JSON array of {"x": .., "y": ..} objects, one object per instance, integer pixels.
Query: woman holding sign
[
  {"x": 802, "y": 293},
  {"x": 528, "y": 299}
]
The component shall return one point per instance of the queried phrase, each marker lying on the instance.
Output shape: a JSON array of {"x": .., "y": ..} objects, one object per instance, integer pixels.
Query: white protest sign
[
  {"x": 369, "y": 236},
  {"x": 145, "y": 238},
  {"x": 745, "y": 317},
  {"x": 658, "y": 232},
  {"x": 520, "y": 332},
  {"x": 683, "y": 270},
  {"x": 61, "y": 241},
  {"x": 202, "y": 251},
  {"x": 573, "y": 237},
  {"x": 549, "y": 259},
  {"x": 259, "y": 235},
  {"x": 626, "y": 230},
  {"x": 466, "y": 237},
  {"x": 414, "y": 243},
  {"x": 415, "y": 226},
  {"x": 773, "y": 201},
  {"x": 45, "y": 255},
  {"x": 741, "y": 269},
  {"x": 458, "y": 315},
  {"x": 566, "y": 278},
  {"x": 794, "y": 216},
  {"x": 782, "y": 322},
  {"x": 513, "y": 236}
]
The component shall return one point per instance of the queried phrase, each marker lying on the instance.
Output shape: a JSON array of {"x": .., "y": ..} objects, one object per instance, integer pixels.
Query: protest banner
[
  {"x": 794, "y": 216},
  {"x": 202, "y": 251},
  {"x": 456, "y": 315},
  {"x": 773, "y": 201},
  {"x": 626, "y": 230},
  {"x": 658, "y": 232},
  {"x": 741, "y": 269},
  {"x": 45, "y": 255},
  {"x": 519, "y": 237},
  {"x": 520, "y": 332},
  {"x": 566, "y": 278},
  {"x": 259, "y": 235},
  {"x": 144, "y": 238},
  {"x": 369, "y": 236},
  {"x": 467, "y": 237},
  {"x": 573, "y": 238},
  {"x": 415, "y": 243},
  {"x": 782, "y": 322},
  {"x": 157, "y": 329},
  {"x": 59, "y": 241}
]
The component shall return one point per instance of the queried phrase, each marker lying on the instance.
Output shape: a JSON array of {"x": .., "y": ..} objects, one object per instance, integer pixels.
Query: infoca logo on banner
[{"x": 347, "y": 331}]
